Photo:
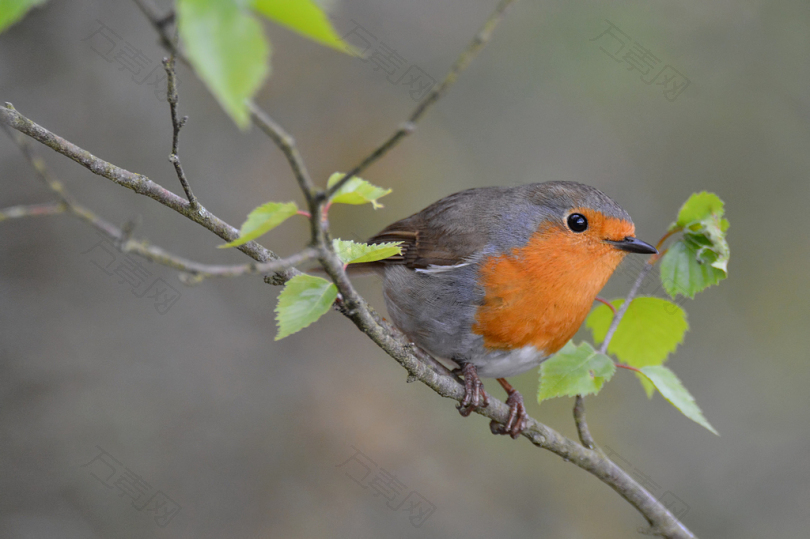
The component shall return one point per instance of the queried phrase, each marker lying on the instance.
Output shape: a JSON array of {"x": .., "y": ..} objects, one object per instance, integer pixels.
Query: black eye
[{"x": 577, "y": 222}]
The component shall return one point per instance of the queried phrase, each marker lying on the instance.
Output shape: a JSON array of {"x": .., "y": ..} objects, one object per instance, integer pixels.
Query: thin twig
[
  {"x": 274, "y": 266},
  {"x": 32, "y": 210},
  {"x": 286, "y": 144},
  {"x": 579, "y": 405},
  {"x": 480, "y": 40},
  {"x": 177, "y": 124},
  {"x": 582, "y": 425},
  {"x": 617, "y": 318},
  {"x": 623, "y": 309},
  {"x": 150, "y": 11},
  {"x": 193, "y": 272},
  {"x": 282, "y": 139}
]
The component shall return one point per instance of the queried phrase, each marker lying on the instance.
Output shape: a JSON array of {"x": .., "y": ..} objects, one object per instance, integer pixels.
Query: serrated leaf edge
[{"x": 279, "y": 336}]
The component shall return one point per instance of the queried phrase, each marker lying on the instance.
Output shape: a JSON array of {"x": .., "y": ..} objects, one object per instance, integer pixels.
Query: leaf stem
[
  {"x": 666, "y": 236},
  {"x": 609, "y": 304},
  {"x": 628, "y": 367},
  {"x": 656, "y": 257}
]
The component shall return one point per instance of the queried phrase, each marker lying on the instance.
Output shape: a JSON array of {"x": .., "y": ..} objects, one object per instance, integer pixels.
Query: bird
[{"x": 498, "y": 279}]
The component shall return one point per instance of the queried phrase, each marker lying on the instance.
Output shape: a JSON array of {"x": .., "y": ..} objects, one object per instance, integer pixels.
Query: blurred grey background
[{"x": 255, "y": 438}]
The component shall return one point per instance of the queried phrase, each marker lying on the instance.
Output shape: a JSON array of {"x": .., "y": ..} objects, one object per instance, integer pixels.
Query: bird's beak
[{"x": 633, "y": 245}]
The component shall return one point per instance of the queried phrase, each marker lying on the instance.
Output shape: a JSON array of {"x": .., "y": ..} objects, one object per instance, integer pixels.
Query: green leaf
[
  {"x": 305, "y": 17},
  {"x": 651, "y": 329},
  {"x": 699, "y": 207},
  {"x": 700, "y": 258},
  {"x": 673, "y": 391},
  {"x": 350, "y": 252},
  {"x": 356, "y": 191},
  {"x": 574, "y": 370},
  {"x": 227, "y": 48},
  {"x": 305, "y": 298},
  {"x": 262, "y": 220},
  {"x": 687, "y": 268},
  {"x": 12, "y": 11}
]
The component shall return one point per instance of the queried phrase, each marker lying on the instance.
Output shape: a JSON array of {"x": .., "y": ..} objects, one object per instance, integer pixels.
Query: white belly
[{"x": 502, "y": 363}]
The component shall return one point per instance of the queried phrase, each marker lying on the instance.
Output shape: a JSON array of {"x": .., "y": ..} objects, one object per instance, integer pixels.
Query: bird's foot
[
  {"x": 474, "y": 394},
  {"x": 516, "y": 421}
]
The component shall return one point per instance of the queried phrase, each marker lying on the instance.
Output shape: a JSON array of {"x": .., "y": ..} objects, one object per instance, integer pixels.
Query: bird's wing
[{"x": 446, "y": 233}]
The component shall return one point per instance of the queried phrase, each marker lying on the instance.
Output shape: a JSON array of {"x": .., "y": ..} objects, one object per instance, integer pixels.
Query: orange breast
[{"x": 540, "y": 294}]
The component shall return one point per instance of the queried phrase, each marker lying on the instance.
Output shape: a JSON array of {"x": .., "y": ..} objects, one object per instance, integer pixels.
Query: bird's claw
[
  {"x": 474, "y": 394},
  {"x": 516, "y": 421}
]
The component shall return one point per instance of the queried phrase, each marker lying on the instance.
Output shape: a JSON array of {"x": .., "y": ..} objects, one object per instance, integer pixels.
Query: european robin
[{"x": 497, "y": 279}]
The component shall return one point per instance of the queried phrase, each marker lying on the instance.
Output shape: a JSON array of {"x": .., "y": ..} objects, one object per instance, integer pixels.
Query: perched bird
[{"x": 497, "y": 279}]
